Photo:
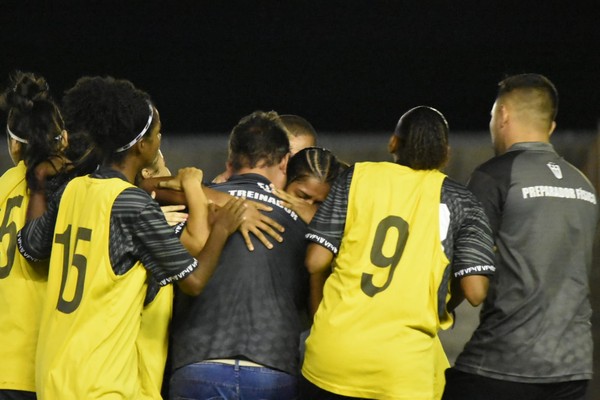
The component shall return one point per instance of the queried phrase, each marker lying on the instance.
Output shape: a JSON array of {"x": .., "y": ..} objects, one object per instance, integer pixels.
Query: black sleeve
[
  {"x": 34, "y": 240},
  {"x": 327, "y": 226},
  {"x": 155, "y": 243}
]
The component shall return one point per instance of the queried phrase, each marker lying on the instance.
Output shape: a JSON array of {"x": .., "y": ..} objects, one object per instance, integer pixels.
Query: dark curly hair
[
  {"x": 422, "y": 139},
  {"x": 34, "y": 118},
  {"x": 111, "y": 111}
]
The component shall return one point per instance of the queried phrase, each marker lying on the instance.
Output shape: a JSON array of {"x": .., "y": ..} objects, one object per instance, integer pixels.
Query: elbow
[
  {"x": 191, "y": 286},
  {"x": 475, "y": 289},
  {"x": 475, "y": 299},
  {"x": 317, "y": 258}
]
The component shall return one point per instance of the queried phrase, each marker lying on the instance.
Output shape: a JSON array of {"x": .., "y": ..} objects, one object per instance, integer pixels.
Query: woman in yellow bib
[
  {"x": 110, "y": 247},
  {"x": 395, "y": 236},
  {"x": 35, "y": 132}
]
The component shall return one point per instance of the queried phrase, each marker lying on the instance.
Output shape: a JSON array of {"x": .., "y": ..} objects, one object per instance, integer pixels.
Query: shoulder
[
  {"x": 133, "y": 200},
  {"x": 16, "y": 172},
  {"x": 135, "y": 195},
  {"x": 499, "y": 165},
  {"x": 455, "y": 190},
  {"x": 461, "y": 201}
]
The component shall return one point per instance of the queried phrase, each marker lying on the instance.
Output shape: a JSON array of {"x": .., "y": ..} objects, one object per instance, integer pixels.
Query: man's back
[
  {"x": 251, "y": 307},
  {"x": 535, "y": 322}
]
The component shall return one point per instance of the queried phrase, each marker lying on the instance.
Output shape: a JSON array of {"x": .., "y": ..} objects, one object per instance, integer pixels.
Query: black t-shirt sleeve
[
  {"x": 34, "y": 240},
  {"x": 327, "y": 226},
  {"x": 155, "y": 243}
]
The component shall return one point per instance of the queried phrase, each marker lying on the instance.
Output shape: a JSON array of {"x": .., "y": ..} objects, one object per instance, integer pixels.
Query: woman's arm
[{"x": 168, "y": 191}]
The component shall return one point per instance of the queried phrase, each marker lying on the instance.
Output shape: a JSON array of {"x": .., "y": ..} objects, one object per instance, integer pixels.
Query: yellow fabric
[
  {"x": 22, "y": 287},
  {"x": 152, "y": 341},
  {"x": 382, "y": 345},
  {"x": 441, "y": 365},
  {"x": 87, "y": 344}
]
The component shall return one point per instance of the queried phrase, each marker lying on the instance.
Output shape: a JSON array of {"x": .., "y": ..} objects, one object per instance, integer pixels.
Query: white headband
[
  {"x": 140, "y": 135},
  {"x": 12, "y": 135}
]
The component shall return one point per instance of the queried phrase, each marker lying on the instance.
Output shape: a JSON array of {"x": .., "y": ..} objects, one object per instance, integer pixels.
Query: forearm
[
  {"x": 37, "y": 204},
  {"x": 317, "y": 282},
  {"x": 217, "y": 197},
  {"x": 165, "y": 196},
  {"x": 197, "y": 229}
]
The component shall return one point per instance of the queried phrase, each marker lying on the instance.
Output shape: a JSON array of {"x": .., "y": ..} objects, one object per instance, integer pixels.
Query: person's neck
[
  {"x": 127, "y": 169},
  {"x": 525, "y": 135},
  {"x": 272, "y": 173}
]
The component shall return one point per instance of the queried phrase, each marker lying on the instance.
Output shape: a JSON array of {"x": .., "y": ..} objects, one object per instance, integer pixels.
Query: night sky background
[{"x": 343, "y": 65}]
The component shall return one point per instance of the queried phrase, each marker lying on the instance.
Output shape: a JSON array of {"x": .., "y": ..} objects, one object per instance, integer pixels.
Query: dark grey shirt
[
  {"x": 535, "y": 323},
  {"x": 252, "y": 307}
]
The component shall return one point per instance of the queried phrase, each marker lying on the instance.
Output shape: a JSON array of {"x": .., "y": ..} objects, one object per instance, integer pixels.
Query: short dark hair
[
  {"x": 298, "y": 126},
  {"x": 546, "y": 95},
  {"x": 258, "y": 140},
  {"x": 422, "y": 139},
  {"x": 314, "y": 162},
  {"x": 113, "y": 111}
]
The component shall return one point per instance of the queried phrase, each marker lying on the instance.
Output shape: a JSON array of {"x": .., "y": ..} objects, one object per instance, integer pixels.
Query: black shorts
[
  {"x": 7, "y": 394},
  {"x": 462, "y": 385},
  {"x": 310, "y": 391}
]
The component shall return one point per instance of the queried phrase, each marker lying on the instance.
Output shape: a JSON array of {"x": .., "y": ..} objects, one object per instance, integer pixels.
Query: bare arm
[
  {"x": 475, "y": 288},
  {"x": 43, "y": 171},
  {"x": 318, "y": 262},
  {"x": 196, "y": 230},
  {"x": 471, "y": 287},
  {"x": 168, "y": 191},
  {"x": 174, "y": 214},
  {"x": 305, "y": 210}
]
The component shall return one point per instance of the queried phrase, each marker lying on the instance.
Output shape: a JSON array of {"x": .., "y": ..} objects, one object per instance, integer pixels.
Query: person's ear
[
  {"x": 139, "y": 147},
  {"x": 393, "y": 144},
  {"x": 64, "y": 139},
  {"x": 504, "y": 115},
  {"x": 14, "y": 148},
  {"x": 552, "y": 127},
  {"x": 146, "y": 173},
  {"x": 283, "y": 163}
]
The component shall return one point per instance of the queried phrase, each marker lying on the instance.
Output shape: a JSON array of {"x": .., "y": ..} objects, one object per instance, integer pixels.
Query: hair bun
[{"x": 25, "y": 88}]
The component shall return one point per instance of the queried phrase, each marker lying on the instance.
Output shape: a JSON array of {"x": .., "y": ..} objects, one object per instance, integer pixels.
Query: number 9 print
[{"x": 379, "y": 259}]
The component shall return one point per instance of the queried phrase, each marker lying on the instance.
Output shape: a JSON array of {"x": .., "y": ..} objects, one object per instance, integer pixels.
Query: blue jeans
[{"x": 215, "y": 381}]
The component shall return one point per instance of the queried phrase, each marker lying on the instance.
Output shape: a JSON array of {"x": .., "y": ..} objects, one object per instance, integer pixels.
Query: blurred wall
[
  {"x": 467, "y": 149},
  {"x": 208, "y": 151}
]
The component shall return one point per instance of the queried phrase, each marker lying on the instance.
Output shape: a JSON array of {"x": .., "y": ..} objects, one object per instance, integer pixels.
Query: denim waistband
[{"x": 231, "y": 361}]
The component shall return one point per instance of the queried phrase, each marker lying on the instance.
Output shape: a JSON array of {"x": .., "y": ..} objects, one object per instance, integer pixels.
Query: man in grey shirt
[{"x": 534, "y": 340}]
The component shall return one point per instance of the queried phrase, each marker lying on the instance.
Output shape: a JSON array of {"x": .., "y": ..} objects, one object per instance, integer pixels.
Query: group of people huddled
[{"x": 291, "y": 275}]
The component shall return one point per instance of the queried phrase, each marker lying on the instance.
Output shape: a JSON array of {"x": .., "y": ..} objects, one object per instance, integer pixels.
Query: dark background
[{"x": 344, "y": 65}]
